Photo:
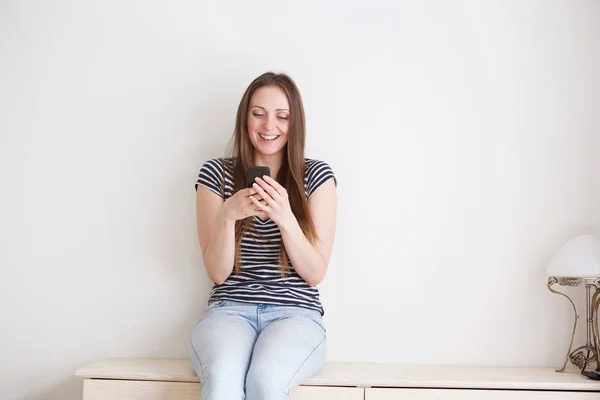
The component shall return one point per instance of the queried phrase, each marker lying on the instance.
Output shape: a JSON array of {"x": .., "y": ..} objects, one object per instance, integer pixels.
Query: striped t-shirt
[{"x": 259, "y": 280}]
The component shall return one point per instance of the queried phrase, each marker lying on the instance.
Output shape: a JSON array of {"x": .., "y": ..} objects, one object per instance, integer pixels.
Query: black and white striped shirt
[{"x": 259, "y": 280}]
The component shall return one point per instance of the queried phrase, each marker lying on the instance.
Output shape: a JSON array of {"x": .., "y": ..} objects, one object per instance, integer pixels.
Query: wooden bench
[{"x": 174, "y": 379}]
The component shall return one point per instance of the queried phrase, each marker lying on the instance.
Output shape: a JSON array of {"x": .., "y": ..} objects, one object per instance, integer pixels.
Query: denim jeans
[{"x": 255, "y": 351}]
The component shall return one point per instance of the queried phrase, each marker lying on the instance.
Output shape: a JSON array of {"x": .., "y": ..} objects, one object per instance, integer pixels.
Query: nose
[{"x": 269, "y": 123}]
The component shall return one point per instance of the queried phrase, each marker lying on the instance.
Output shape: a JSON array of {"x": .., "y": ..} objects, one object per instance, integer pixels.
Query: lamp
[{"x": 577, "y": 263}]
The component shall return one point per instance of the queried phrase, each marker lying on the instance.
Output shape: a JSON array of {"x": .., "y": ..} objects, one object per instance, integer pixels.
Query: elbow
[
  {"x": 217, "y": 277},
  {"x": 314, "y": 282},
  {"x": 318, "y": 275},
  {"x": 316, "y": 279}
]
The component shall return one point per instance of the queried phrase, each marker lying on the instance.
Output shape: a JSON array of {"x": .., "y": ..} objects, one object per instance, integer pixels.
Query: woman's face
[{"x": 269, "y": 120}]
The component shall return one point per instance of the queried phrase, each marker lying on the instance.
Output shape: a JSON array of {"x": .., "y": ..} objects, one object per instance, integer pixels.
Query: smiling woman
[
  {"x": 266, "y": 248},
  {"x": 268, "y": 121}
]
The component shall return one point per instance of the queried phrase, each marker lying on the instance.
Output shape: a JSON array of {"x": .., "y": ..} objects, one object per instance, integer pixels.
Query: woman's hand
[
  {"x": 275, "y": 202},
  {"x": 242, "y": 205}
]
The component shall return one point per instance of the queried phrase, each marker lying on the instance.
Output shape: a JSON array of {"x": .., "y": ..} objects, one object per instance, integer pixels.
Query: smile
[{"x": 269, "y": 137}]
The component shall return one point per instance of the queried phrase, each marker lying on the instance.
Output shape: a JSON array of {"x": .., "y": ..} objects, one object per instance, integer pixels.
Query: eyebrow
[{"x": 279, "y": 109}]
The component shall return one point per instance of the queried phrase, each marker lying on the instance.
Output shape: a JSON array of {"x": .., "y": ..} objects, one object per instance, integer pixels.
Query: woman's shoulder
[
  {"x": 316, "y": 173},
  {"x": 220, "y": 164},
  {"x": 313, "y": 165},
  {"x": 213, "y": 172}
]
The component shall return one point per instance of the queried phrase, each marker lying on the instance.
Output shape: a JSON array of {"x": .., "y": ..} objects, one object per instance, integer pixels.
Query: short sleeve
[
  {"x": 317, "y": 173},
  {"x": 211, "y": 176}
]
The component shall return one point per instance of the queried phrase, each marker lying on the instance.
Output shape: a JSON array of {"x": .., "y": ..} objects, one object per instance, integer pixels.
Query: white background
[{"x": 464, "y": 135}]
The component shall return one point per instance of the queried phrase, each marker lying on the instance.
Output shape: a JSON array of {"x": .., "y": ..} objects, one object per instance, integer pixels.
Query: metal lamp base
[{"x": 583, "y": 356}]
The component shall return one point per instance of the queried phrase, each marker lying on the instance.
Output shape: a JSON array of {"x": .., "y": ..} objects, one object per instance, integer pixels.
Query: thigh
[
  {"x": 220, "y": 349},
  {"x": 287, "y": 352}
]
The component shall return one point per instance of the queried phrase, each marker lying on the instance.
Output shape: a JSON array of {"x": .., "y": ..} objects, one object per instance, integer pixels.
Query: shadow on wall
[{"x": 70, "y": 388}]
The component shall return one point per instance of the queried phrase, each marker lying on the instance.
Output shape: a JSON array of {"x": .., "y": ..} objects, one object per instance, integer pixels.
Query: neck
[{"x": 272, "y": 161}]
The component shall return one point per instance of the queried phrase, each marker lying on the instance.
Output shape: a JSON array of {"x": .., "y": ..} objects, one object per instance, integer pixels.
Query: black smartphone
[{"x": 256, "y": 171}]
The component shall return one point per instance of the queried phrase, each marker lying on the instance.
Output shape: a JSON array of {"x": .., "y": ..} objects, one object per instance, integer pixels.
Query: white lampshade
[{"x": 578, "y": 258}]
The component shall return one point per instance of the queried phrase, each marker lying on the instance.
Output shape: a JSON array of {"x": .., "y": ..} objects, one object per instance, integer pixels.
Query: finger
[
  {"x": 268, "y": 188},
  {"x": 248, "y": 192},
  {"x": 257, "y": 196},
  {"x": 260, "y": 200},
  {"x": 273, "y": 183},
  {"x": 261, "y": 192},
  {"x": 259, "y": 205}
]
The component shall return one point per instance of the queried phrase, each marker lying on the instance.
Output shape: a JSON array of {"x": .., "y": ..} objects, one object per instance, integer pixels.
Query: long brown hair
[{"x": 291, "y": 173}]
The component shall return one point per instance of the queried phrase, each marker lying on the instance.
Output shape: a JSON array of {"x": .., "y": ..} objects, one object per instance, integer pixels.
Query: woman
[{"x": 266, "y": 247}]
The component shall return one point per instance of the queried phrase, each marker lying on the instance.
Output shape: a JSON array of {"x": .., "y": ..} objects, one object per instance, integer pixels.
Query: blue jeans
[{"x": 255, "y": 351}]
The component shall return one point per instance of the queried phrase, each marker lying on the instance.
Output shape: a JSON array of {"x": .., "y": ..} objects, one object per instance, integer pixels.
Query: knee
[
  {"x": 219, "y": 380},
  {"x": 262, "y": 384},
  {"x": 218, "y": 383}
]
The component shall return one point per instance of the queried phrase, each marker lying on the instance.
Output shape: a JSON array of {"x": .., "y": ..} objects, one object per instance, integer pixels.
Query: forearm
[
  {"x": 220, "y": 252},
  {"x": 305, "y": 257}
]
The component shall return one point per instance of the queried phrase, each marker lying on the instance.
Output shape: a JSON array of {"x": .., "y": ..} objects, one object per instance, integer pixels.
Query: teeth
[{"x": 268, "y": 137}]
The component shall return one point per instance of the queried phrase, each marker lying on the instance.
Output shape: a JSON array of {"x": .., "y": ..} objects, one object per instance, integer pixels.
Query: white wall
[{"x": 464, "y": 137}]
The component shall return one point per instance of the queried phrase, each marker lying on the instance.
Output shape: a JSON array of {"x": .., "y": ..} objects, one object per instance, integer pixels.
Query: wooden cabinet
[
  {"x": 326, "y": 393},
  {"x": 174, "y": 379},
  {"x": 107, "y": 389},
  {"x": 458, "y": 394}
]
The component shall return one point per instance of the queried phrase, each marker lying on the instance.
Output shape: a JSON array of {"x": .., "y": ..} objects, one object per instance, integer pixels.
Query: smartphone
[{"x": 256, "y": 171}]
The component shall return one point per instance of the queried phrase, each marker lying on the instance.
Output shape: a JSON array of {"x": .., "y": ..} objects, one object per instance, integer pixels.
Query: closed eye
[{"x": 258, "y": 115}]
